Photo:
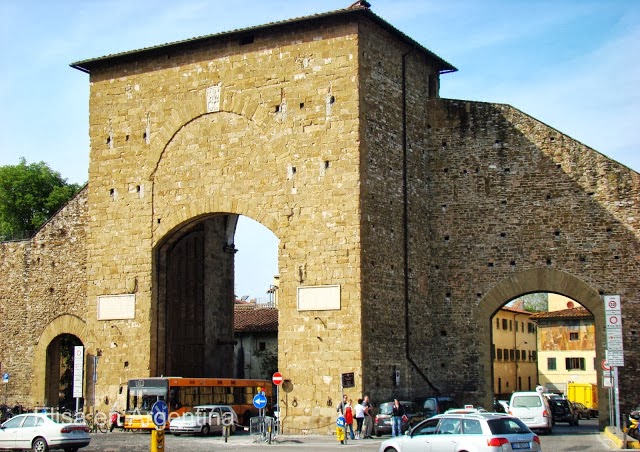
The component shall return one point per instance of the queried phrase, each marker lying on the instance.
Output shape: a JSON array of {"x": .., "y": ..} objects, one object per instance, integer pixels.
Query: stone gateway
[{"x": 404, "y": 220}]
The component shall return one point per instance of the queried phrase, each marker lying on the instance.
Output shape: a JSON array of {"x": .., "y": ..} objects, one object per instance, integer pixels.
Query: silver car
[
  {"x": 43, "y": 431},
  {"x": 471, "y": 432}
]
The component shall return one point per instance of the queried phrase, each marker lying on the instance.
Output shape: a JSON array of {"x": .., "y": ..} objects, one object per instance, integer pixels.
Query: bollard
[{"x": 157, "y": 440}]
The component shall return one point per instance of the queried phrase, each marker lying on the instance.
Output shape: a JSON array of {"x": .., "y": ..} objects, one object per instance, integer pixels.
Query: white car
[
  {"x": 204, "y": 419},
  {"x": 471, "y": 432},
  {"x": 43, "y": 431}
]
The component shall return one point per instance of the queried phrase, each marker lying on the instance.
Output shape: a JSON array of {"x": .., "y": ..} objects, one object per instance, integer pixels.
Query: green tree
[{"x": 29, "y": 195}]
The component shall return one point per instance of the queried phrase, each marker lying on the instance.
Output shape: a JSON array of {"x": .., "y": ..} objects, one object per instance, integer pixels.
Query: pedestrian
[
  {"x": 359, "y": 409},
  {"x": 348, "y": 416},
  {"x": 368, "y": 419},
  {"x": 342, "y": 405},
  {"x": 396, "y": 418}
]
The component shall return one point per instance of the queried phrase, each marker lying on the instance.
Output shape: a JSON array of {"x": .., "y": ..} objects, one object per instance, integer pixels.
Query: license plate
[{"x": 520, "y": 446}]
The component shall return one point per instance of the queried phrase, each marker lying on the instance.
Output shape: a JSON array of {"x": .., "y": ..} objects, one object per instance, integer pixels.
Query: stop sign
[{"x": 277, "y": 378}]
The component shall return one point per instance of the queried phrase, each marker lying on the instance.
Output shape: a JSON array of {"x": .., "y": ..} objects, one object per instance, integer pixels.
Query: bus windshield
[{"x": 144, "y": 392}]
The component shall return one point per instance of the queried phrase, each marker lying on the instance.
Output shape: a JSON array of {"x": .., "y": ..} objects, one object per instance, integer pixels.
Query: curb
[{"x": 617, "y": 438}]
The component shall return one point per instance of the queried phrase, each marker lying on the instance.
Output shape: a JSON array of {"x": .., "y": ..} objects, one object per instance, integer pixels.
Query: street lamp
[{"x": 518, "y": 388}]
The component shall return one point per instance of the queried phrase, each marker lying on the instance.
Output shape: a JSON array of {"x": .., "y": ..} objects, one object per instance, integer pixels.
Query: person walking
[
  {"x": 396, "y": 418},
  {"x": 359, "y": 409},
  {"x": 368, "y": 417},
  {"x": 348, "y": 416}
]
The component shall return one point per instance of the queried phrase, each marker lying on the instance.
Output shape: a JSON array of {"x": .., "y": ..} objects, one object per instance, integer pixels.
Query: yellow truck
[{"x": 586, "y": 394}]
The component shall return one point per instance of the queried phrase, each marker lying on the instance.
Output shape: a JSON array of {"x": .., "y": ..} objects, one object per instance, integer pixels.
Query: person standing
[
  {"x": 348, "y": 416},
  {"x": 342, "y": 405},
  {"x": 368, "y": 419},
  {"x": 396, "y": 418},
  {"x": 359, "y": 409}
]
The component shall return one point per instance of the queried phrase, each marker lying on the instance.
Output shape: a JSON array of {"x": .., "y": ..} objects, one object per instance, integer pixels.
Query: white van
[{"x": 532, "y": 408}]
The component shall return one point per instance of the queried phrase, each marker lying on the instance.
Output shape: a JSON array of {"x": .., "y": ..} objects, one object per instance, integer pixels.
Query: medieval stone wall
[{"x": 43, "y": 284}]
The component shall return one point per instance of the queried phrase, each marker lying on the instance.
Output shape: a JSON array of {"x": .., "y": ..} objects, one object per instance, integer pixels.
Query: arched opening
[
  {"x": 197, "y": 300},
  {"x": 59, "y": 372},
  {"x": 576, "y": 332}
]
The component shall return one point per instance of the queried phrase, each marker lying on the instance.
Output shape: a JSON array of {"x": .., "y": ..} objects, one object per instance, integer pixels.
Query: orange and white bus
[{"x": 181, "y": 394}]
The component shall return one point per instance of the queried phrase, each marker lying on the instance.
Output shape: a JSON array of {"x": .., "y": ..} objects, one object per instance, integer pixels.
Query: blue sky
[{"x": 573, "y": 64}]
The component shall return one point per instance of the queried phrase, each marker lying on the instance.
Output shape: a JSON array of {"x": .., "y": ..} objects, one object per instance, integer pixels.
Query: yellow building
[
  {"x": 514, "y": 351},
  {"x": 566, "y": 344}
]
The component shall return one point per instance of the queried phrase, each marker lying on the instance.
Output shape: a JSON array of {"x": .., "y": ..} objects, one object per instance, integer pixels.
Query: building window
[
  {"x": 497, "y": 323},
  {"x": 574, "y": 336},
  {"x": 531, "y": 328},
  {"x": 505, "y": 354},
  {"x": 575, "y": 363},
  {"x": 516, "y": 327},
  {"x": 551, "y": 364},
  {"x": 517, "y": 355},
  {"x": 505, "y": 324},
  {"x": 500, "y": 354},
  {"x": 510, "y": 325},
  {"x": 512, "y": 355},
  {"x": 535, "y": 355}
]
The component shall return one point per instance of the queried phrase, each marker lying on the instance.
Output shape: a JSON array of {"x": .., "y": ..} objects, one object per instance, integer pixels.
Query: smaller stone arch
[
  {"x": 64, "y": 324},
  {"x": 530, "y": 281}
]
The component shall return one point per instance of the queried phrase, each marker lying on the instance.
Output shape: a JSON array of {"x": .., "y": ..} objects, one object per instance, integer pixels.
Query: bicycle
[{"x": 97, "y": 423}]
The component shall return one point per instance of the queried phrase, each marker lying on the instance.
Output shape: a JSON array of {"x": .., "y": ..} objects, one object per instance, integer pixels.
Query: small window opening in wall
[
  {"x": 277, "y": 108},
  {"x": 444, "y": 144},
  {"x": 437, "y": 267},
  {"x": 428, "y": 126},
  {"x": 548, "y": 261},
  {"x": 498, "y": 141},
  {"x": 490, "y": 265},
  {"x": 609, "y": 231},
  {"x": 590, "y": 193},
  {"x": 446, "y": 238},
  {"x": 548, "y": 197},
  {"x": 50, "y": 289},
  {"x": 112, "y": 192},
  {"x": 446, "y": 170},
  {"x": 477, "y": 170},
  {"x": 158, "y": 220},
  {"x": 443, "y": 333},
  {"x": 326, "y": 164},
  {"x": 559, "y": 165},
  {"x": 552, "y": 138},
  {"x": 332, "y": 99},
  {"x": 507, "y": 170},
  {"x": 293, "y": 170},
  {"x": 126, "y": 138},
  {"x": 144, "y": 136},
  {"x": 512, "y": 263},
  {"x": 301, "y": 104},
  {"x": 138, "y": 188},
  {"x": 108, "y": 140},
  {"x": 557, "y": 233},
  {"x": 479, "y": 295},
  {"x": 126, "y": 364},
  {"x": 616, "y": 257},
  {"x": 503, "y": 234},
  {"x": 246, "y": 40},
  {"x": 464, "y": 172},
  {"x": 503, "y": 202},
  {"x": 582, "y": 259}
]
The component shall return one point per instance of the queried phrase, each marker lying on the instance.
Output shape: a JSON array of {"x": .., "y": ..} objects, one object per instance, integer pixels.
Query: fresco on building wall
[{"x": 559, "y": 338}]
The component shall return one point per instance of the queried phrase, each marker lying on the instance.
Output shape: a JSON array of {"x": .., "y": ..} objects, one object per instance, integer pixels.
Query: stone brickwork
[{"x": 429, "y": 214}]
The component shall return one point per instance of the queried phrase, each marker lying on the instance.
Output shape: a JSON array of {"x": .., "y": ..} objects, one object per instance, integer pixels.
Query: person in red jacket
[{"x": 348, "y": 416}]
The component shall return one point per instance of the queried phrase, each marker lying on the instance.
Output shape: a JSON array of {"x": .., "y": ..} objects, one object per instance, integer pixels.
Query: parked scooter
[
  {"x": 634, "y": 420},
  {"x": 117, "y": 420}
]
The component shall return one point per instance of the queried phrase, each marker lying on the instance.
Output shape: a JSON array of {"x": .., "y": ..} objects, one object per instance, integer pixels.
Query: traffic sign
[
  {"x": 605, "y": 365},
  {"x": 5, "y": 378},
  {"x": 277, "y": 378},
  {"x": 341, "y": 421},
  {"x": 260, "y": 401},
  {"x": 614, "y": 321},
  {"x": 160, "y": 413}
]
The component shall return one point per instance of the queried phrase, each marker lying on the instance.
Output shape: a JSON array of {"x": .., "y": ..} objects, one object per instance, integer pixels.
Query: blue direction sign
[
  {"x": 260, "y": 401},
  {"x": 160, "y": 413},
  {"x": 5, "y": 378},
  {"x": 341, "y": 421}
]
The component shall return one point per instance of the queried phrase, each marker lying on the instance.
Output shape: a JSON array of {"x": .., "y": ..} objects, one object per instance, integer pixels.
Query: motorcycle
[{"x": 634, "y": 419}]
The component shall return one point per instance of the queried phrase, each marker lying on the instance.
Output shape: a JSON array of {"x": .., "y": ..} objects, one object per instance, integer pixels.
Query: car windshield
[
  {"x": 60, "y": 418},
  {"x": 201, "y": 411},
  {"x": 506, "y": 426},
  {"x": 386, "y": 408}
]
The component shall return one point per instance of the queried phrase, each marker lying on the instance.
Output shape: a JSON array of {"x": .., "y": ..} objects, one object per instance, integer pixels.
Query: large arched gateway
[{"x": 404, "y": 220}]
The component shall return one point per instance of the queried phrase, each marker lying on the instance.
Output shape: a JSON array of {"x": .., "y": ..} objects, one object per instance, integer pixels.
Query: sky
[{"x": 572, "y": 64}]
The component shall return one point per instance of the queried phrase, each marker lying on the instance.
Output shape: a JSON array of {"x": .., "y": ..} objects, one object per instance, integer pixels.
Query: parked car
[
  {"x": 43, "y": 431},
  {"x": 563, "y": 411},
  {"x": 382, "y": 421},
  {"x": 204, "y": 419},
  {"x": 532, "y": 408},
  {"x": 583, "y": 411},
  {"x": 470, "y": 432},
  {"x": 436, "y": 405}
]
